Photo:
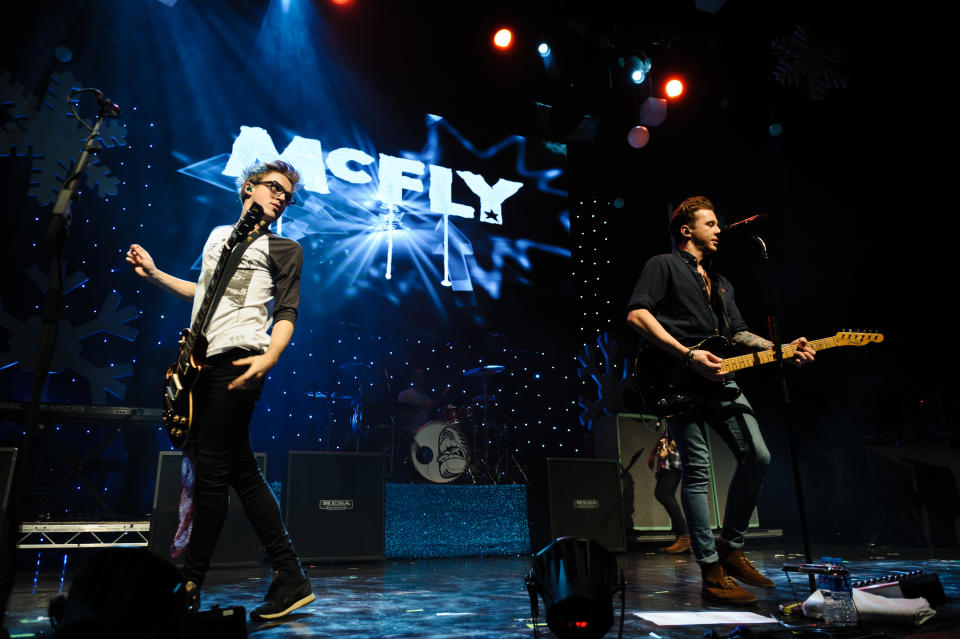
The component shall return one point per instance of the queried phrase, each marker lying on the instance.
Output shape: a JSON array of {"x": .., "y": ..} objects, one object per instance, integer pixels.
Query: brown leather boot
[
  {"x": 720, "y": 588},
  {"x": 680, "y": 545},
  {"x": 737, "y": 565}
]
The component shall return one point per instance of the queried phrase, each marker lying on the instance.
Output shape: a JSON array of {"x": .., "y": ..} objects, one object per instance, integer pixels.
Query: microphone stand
[
  {"x": 57, "y": 233},
  {"x": 773, "y": 326}
]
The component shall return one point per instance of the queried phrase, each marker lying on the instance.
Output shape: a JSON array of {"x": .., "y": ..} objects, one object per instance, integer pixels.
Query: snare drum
[{"x": 440, "y": 452}]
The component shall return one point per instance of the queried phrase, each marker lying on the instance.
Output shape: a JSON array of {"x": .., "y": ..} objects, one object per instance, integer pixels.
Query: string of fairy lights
[
  {"x": 593, "y": 280},
  {"x": 529, "y": 401},
  {"x": 592, "y": 272}
]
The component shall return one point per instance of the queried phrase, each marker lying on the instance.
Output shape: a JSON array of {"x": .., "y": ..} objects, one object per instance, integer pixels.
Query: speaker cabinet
[
  {"x": 335, "y": 505},
  {"x": 238, "y": 544},
  {"x": 623, "y": 436},
  {"x": 575, "y": 498},
  {"x": 8, "y": 463}
]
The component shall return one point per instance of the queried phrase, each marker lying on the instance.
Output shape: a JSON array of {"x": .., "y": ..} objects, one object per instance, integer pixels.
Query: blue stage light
[{"x": 638, "y": 66}]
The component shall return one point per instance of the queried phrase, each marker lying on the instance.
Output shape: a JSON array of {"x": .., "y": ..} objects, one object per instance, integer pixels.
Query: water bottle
[{"x": 838, "y": 606}]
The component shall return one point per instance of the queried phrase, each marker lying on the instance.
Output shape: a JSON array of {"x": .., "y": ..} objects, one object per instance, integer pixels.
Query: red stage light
[
  {"x": 673, "y": 88},
  {"x": 341, "y": 1},
  {"x": 503, "y": 38}
]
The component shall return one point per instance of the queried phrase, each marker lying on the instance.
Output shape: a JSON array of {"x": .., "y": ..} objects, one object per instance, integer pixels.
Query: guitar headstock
[
  {"x": 250, "y": 218},
  {"x": 246, "y": 224},
  {"x": 857, "y": 338}
]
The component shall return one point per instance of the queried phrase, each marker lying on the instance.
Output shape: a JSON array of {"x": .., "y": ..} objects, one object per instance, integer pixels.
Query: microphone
[
  {"x": 749, "y": 220},
  {"x": 108, "y": 107}
]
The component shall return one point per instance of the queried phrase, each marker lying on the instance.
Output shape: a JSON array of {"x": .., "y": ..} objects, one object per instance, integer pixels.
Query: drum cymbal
[
  {"x": 488, "y": 369},
  {"x": 328, "y": 395},
  {"x": 391, "y": 406}
]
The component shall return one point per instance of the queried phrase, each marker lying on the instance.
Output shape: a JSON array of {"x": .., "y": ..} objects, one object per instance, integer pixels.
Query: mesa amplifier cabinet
[
  {"x": 238, "y": 544},
  {"x": 335, "y": 505},
  {"x": 575, "y": 498},
  {"x": 8, "y": 463}
]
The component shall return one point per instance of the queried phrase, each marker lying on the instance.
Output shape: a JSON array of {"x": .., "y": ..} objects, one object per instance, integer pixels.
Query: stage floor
[{"x": 486, "y": 597}]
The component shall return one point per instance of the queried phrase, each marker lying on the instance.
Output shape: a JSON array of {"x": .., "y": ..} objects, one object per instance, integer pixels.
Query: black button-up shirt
[{"x": 672, "y": 289}]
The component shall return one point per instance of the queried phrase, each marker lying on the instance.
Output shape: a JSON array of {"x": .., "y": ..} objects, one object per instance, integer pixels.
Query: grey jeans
[{"x": 734, "y": 422}]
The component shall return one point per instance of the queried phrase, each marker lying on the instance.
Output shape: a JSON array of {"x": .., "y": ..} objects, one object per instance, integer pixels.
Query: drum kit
[{"x": 466, "y": 443}]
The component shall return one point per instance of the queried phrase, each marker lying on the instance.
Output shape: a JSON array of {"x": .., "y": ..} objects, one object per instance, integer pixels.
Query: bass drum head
[{"x": 440, "y": 452}]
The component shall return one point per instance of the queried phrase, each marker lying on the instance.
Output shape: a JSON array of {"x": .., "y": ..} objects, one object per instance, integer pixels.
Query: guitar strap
[{"x": 228, "y": 270}]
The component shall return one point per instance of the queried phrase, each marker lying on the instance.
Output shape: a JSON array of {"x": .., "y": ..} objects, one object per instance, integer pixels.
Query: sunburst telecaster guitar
[
  {"x": 667, "y": 387},
  {"x": 177, "y": 402}
]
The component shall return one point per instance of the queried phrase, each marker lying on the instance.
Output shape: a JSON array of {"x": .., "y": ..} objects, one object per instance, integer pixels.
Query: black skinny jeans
[{"x": 223, "y": 458}]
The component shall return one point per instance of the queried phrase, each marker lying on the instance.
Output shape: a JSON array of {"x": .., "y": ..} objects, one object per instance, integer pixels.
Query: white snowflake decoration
[{"x": 48, "y": 133}]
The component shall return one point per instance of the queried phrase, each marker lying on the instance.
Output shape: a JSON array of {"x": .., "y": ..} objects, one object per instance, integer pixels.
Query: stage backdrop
[{"x": 429, "y": 239}]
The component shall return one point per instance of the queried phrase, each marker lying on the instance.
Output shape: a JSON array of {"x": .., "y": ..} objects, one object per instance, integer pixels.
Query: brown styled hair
[{"x": 684, "y": 215}]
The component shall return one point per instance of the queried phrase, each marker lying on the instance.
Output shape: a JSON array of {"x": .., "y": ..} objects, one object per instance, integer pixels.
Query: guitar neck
[
  {"x": 766, "y": 357},
  {"x": 201, "y": 319},
  {"x": 200, "y": 322}
]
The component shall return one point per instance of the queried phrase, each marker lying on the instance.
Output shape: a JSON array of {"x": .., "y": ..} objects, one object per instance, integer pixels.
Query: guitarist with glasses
[
  {"x": 679, "y": 301},
  {"x": 261, "y": 289}
]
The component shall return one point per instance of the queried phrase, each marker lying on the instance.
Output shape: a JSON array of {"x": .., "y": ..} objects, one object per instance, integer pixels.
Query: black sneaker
[
  {"x": 285, "y": 595},
  {"x": 274, "y": 583}
]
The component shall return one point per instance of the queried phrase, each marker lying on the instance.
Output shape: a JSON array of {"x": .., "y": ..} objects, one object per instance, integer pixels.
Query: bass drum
[{"x": 440, "y": 452}]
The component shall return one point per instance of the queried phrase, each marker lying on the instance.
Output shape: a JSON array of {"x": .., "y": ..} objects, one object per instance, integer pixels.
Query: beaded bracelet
[{"x": 689, "y": 356}]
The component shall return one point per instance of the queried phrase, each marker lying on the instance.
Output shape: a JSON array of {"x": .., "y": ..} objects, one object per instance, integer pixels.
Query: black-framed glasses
[{"x": 276, "y": 188}]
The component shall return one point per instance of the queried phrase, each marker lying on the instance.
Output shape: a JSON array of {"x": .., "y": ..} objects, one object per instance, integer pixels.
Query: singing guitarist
[
  {"x": 680, "y": 298},
  {"x": 241, "y": 348}
]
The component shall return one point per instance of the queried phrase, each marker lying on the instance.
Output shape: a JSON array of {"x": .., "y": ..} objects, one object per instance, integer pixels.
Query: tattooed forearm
[{"x": 749, "y": 341}]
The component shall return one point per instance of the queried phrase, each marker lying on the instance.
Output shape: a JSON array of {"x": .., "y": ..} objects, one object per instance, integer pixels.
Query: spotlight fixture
[
  {"x": 674, "y": 88},
  {"x": 543, "y": 49},
  {"x": 638, "y": 66},
  {"x": 503, "y": 38},
  {"x": 576, "y": 578}
]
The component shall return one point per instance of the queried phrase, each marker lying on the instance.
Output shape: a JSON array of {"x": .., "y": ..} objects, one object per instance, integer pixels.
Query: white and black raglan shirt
[{"x": 264, "y": 289}]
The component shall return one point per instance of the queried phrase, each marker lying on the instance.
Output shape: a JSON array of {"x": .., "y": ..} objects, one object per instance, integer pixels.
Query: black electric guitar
[
  {"x": 180, "y": 378},
  {"x": 668, "y": 387}
]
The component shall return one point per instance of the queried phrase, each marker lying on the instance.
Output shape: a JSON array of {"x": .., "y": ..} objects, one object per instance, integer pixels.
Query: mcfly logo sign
[{"x": 393, "y": 176}]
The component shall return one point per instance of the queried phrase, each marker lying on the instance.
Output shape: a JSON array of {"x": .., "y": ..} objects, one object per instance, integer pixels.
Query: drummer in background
[{"x": 415, "y": 403}]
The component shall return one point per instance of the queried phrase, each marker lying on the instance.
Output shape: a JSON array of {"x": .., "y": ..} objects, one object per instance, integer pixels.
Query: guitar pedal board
[{"x": 908, "y": 585}]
